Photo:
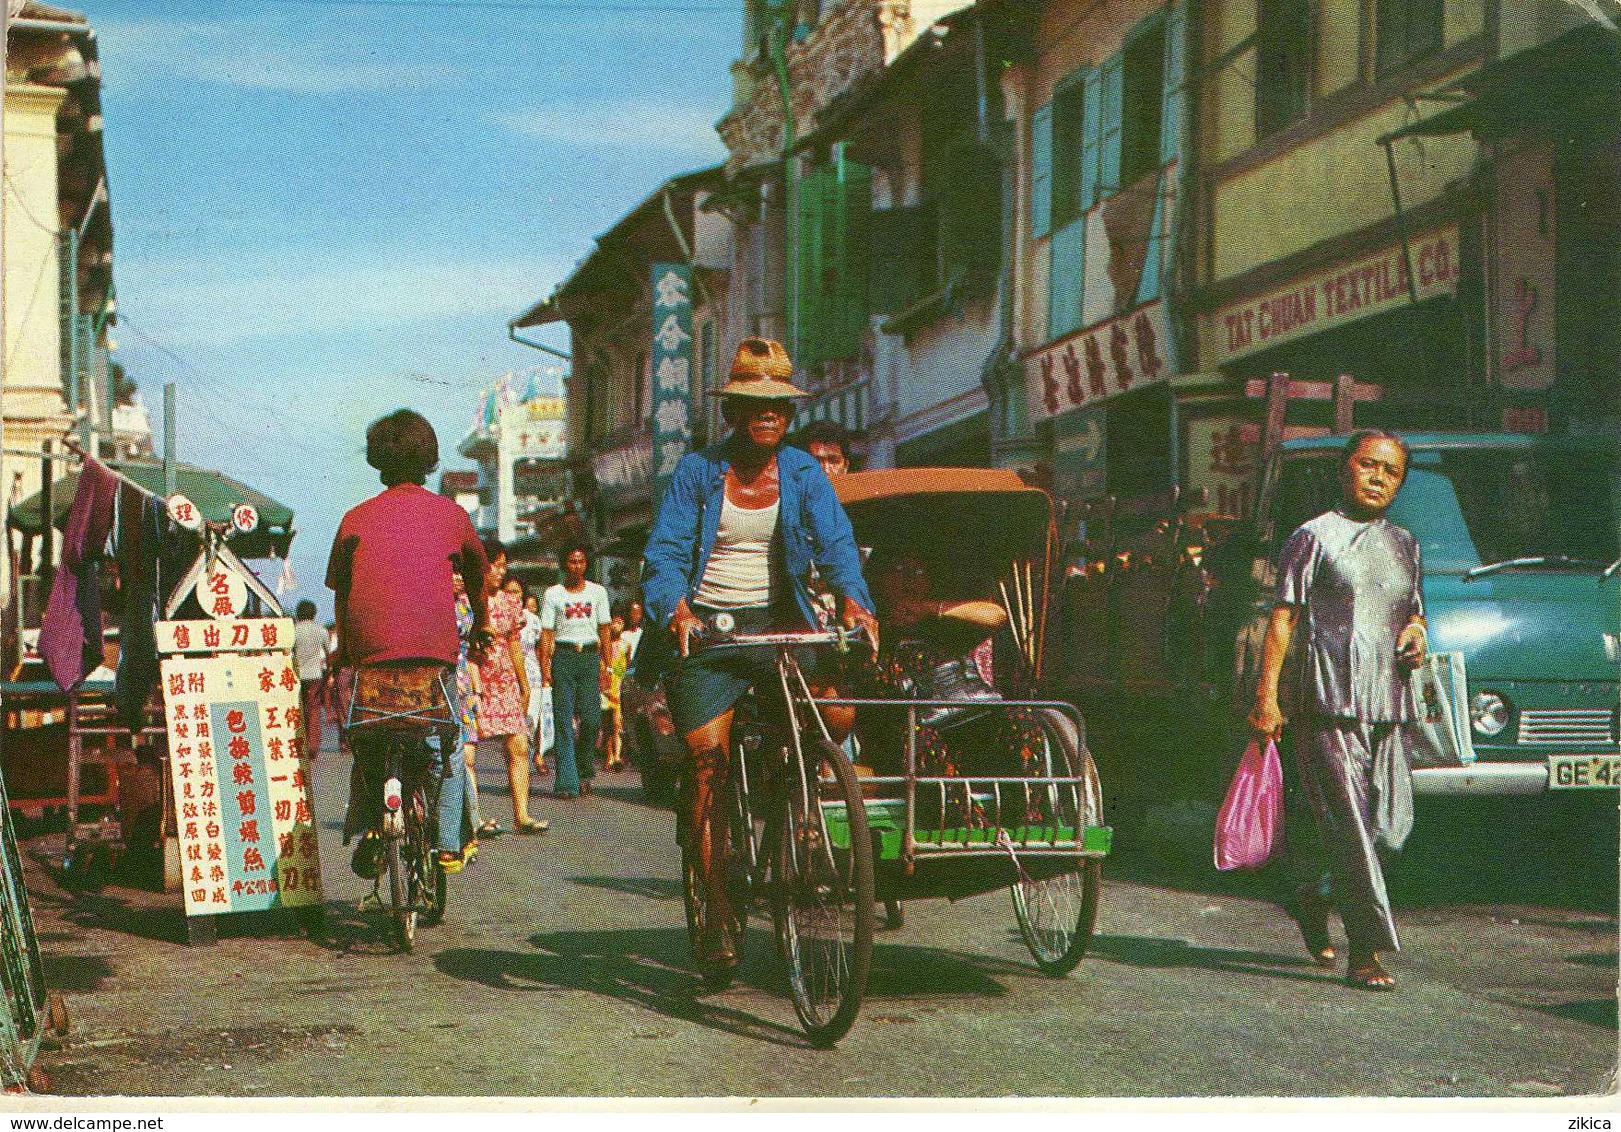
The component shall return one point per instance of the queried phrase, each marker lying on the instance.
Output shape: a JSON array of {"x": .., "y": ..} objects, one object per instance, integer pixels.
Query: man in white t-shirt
[{"x": 576, "y": 655}]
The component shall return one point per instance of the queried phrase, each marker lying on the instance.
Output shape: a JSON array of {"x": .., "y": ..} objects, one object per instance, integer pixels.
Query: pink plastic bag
[{"x": 1250, "y": 824}]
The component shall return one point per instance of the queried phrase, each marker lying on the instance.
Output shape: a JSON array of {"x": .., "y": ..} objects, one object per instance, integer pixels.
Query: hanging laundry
[
  {"x": 70, "y": 633},
  {"x": 142, "y": 520}
]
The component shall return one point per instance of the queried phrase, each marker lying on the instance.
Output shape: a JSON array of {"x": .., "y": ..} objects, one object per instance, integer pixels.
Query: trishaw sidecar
[{"x": 971, "y": 782}]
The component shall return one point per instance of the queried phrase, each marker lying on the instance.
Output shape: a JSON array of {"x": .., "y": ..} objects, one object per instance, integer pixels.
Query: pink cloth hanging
[{"x": 70, "y": 634}]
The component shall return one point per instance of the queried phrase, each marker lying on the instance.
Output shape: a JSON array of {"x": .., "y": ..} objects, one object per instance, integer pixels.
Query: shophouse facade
[
  {"x": 60, "y": 381},
  {"x": 616, "y": 393},
  {"x": 1099, "y": 130},
  {"x": 58, "y": 238},
  {"x": 810, "y": 268}
]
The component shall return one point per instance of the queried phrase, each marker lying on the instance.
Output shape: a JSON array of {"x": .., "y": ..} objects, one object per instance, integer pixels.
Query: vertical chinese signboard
[
  {"x": 672, "y": 370},
  {"x": 241, "y": 781}
]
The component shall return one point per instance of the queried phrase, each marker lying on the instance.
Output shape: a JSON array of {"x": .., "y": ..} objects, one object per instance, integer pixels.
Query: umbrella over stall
[{"x": 214, "y": 493}]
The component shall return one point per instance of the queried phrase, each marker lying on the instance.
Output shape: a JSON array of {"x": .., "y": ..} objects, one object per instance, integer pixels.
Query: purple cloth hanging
[{"x": 70, "y": 634}]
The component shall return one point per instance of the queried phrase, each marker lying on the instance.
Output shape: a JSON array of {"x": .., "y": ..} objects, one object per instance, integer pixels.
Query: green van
[{"x": 1522, "y": 576}]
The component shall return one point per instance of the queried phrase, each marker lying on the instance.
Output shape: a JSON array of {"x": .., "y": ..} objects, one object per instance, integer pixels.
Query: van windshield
[{"x": 1472, "y": 507}]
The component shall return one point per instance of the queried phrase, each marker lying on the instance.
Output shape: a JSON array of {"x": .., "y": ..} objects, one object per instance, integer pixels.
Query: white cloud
[
  {"x": 620, "y": 124},
  {"x": 236, "y": 55}
]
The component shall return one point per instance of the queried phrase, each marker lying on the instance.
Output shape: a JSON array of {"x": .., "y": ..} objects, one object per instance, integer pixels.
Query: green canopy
[{"x": 214, "y": 493}]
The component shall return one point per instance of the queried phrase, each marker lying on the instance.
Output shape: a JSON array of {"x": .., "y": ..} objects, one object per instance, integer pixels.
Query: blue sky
[{"x": 323, "y": 211}]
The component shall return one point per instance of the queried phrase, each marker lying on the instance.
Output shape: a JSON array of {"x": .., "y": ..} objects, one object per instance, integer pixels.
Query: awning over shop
[
  {"x": 1569, "y": 81},
  {"x": 214, "y": 493}
]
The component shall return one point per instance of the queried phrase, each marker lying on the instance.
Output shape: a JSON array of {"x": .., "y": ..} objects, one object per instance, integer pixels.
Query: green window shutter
[
  {"x": 847, "y": 280},
  {"x": 1041, "y": 177},
  {"x": 1066, "y": 278},
  {"x": 808, "y": 292},
  {"x": 1090, "y": 134},
  {"x": 1148, "y": 286},
  {"x": 1170, "y": 119},
  {"x": 1109, "y": 122}
]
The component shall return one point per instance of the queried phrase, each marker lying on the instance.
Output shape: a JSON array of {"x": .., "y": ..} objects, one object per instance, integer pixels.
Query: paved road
[{"x": 561, "y": 971}]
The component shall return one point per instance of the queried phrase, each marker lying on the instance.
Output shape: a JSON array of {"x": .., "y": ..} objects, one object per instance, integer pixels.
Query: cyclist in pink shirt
[{"x": 390, "y": 569}]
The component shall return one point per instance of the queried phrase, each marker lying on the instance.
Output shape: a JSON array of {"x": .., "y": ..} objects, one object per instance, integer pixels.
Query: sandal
[
  {"x": 450, "y": 862},
  {"x": 489, "y": 829},
  {"x": 1311, "y": 917},
  {"x": 1367, "y": 973},
  {"x": 531, "y": 827}
]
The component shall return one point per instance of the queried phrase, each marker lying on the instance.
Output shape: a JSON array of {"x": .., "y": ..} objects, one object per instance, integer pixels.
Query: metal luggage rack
[{"x": 1062, "y": 832}]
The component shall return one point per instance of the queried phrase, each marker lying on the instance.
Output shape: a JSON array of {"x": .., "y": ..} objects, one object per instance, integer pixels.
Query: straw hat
[{"x": 760, "y": 369}]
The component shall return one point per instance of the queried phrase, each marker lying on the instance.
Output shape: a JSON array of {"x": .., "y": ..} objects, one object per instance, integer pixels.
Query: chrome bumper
[{"x": 1482, "y": 778}]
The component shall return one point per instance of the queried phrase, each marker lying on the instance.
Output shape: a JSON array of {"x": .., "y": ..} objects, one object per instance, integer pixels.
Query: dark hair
[
  {"x": 1362, "y": 435},
  {"x": 305, "y": 611},
  {"x": 492, "y": 548},
  {"x": 569, "y": 548},
  {"x": 402, "y": 447},
  {"x": 513, "y": 579},
  {"x": 825, "y": 432}
]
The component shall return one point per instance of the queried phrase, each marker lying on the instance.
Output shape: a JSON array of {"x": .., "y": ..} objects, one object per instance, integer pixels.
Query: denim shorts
[{"x": 707, "y": 685}]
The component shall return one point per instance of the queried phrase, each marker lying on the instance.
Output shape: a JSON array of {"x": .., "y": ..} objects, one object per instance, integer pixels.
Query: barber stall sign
[
  {"x": 243, "y": 810},
  {"x": 672, "y": 370}
]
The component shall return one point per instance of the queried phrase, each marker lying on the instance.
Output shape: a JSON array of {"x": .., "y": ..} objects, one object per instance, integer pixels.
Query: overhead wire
[{"x": 227, "y": 401}]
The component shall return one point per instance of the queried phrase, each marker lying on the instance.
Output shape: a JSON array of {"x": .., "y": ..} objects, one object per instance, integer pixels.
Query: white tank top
[{"x": 738, "y": 573}]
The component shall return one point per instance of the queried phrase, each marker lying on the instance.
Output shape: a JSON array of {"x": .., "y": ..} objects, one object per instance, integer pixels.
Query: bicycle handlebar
[{"x": 839, "y": 637}]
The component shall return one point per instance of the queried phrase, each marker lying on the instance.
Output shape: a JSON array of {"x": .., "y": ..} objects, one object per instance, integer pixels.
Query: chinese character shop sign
[
  {"x": 1098, "y": 363},
  {"x": 1371, "y": 285},
  {"x": 241, "y": 780},
  {"x": 672, "y": 369}
]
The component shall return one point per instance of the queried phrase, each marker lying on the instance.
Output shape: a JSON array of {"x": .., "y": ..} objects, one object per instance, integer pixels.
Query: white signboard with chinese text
[
  {"x": 248, "y": 635},
  {"x": 1370, "y": 285},
  {"x": 243, "y": 810},
  {"x": 1099, "y": 363}
]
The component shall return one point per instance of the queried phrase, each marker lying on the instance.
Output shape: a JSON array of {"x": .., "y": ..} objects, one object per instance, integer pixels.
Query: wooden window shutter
[
  {"x": 1109, "y": 123},
  {"x": 1170, "y": 119},
  {"x": 1090, "y": 135},
  {"x": 1041, "y": 171},
  {"x": 1066, "y": 278}
]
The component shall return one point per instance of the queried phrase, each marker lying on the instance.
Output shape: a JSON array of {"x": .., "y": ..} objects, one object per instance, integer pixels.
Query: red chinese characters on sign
[
  {"x": 1098, "y": 363},
  {"x": 244, "y": 817}
]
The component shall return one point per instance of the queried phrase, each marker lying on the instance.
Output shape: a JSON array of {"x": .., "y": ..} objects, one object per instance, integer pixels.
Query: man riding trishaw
[{"x": 738, "y": 532}]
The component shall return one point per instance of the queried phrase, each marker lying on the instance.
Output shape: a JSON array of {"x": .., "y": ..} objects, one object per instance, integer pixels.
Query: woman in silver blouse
[{"x": 1352, "y": 577}]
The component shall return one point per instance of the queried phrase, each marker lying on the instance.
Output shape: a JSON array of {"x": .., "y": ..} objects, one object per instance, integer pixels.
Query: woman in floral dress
[{"x": 504, "y": 688}]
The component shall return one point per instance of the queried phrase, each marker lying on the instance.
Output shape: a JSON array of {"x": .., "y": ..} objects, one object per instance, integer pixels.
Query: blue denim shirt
[{"x": 812, "y": 528}]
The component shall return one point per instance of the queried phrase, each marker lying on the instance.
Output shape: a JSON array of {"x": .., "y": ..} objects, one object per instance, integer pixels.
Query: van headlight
[{"x": 1489, "y": 713}]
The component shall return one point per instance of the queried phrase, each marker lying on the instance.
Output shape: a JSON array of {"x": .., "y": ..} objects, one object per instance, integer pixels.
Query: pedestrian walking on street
[
  {"x": 613, "y": 723},
  {"x": 1353, "y": 578},
  {"x": 576, "y": 654},
  {"x": 529, "y": 638},
  {"x": 504, "y": 688},
  {"x": 309, "y": 658}
]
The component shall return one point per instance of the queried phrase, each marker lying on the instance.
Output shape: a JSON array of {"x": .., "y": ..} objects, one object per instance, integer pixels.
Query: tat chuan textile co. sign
[
  {"x": 672, "y": 369},
  {"x": 1098, "y": 363},
  {"x": 1371, "y": 285},
  {"x": 243, "y": 810}
]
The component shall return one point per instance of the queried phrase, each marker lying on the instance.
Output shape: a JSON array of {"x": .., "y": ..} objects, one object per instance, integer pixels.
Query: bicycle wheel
[
  {"x": 400, "y": 884},
  {"x": 694, "y": 895},
  {"x": 429, "y": 883},
  {"x": 822, "y": 893},
  {"x": 1057, "y": 914}
]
